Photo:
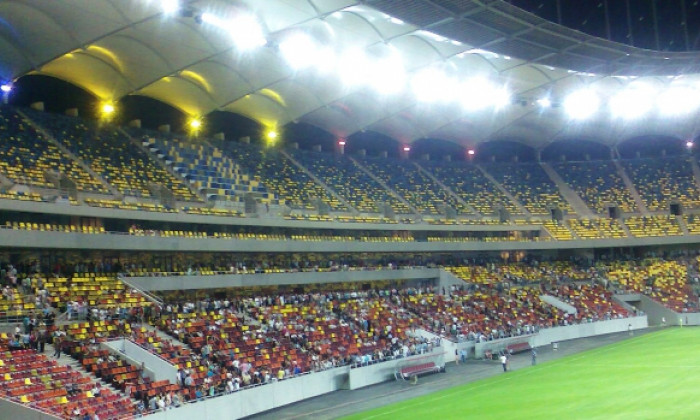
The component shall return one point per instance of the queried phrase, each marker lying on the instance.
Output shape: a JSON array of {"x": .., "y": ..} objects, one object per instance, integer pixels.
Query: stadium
[{"x": 349, "y": 209}]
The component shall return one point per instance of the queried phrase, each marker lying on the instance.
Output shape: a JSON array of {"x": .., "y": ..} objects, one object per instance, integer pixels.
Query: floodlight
[
  {"x": 170, "y": 6},
  {"x": 471, "y": 152},
  {"x": 388, "y": 75},
  {"x": 406, "y": 149},
  {"x": 354, "y": 68},
  {"x": 500, "y": 97},
  {"x": 326, "y": 59},
  {"x": 299, "y": 50},
  {"x": 633, "y": 102},
  {"x": 195, "y": 123},
  {"x": 271, "y": 135},
  {"x": 107, "y": 108},
  {"x": 581, "y": 104},
  {"x": 689, "y": 144},
  {"x": 678, "y": 100},
  {"x": 478, "y": 93},
  {"x": 212, "y": 19},
  {"x": 432, "y": 85},
  {"x": 341, "y": 143},
  {"x": 7, "y": 88},
  {"x": 544, "y": 102},
  {"x": 246, "y": 32}
]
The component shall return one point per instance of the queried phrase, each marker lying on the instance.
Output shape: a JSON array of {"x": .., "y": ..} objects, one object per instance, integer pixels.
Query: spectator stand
[{"x": 410, "y": 369}]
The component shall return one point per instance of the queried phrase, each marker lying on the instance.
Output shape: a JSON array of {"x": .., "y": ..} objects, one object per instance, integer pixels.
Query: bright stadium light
[
  {"x": 581, "y": 104},
  {"x": 6, "y": 88},
  {"x": 471, "y": 152},
  {"x": 432, "y": 85},
  {"x": 299, "y": 50},
  {"x": 388, "y": 75},
  {"x": 107, "y": 108},
  {"x": 271, "y": 135},
  {"x": 544, "y": 103},
  {"x": 501, "y": 97},
  {"x": 170, "y": 7},
  {"x": 689, "y": 144},
  {"x": 678, "y": 100},
  {"x": 632, "y": 102},
  {"x": 195, "y": 123},
  {"x": 406, "y": 149},
  {"x": 353, "y": 67},
  {"x": 478, "y": 93},
  {"x": 246, "y": 32}
]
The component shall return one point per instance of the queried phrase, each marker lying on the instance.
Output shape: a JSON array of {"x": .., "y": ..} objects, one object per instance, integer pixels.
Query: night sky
[{"x": 676, "y": 27}]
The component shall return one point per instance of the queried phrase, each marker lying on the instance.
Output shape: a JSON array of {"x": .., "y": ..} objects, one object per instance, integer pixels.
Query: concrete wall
[
  {"x": 124, "y": 242},
  {"x": 156, "y": 368},
  {"x": 13, "y": 411},
  {"x": 550, "y": 335},
  {"x": 382, "y": 372},
  {"x": 558, "y": 304},
  {"x": 256, "y": 400},
  {"x": 87, "y": 211},
  {"x": 240, "y": 280},
  {"x": 556, "y": 334},
  {"x": 656, "y": 311},
  {"x": 448, "y": 346},
  {"x": 448, "y": 279}
]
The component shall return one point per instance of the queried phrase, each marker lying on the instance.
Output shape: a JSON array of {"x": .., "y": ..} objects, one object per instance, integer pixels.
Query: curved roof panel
[{"x": 130, "y": 47}]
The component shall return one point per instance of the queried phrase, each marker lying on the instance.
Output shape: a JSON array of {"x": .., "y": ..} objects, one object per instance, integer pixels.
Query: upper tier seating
[
  {"x": 692, "y": 222},
  {"x": 597, "y": 228},
  {"x": 349, "y": 181},
  {"x": 117, "y": 204},
  {"x": 558, "y": 230},
  {"x": 472, "y": 186},
  {"x": 206, "y": 168},
  {"x": 530, "y": 185},
  {"x": 280, "y": 176},
  {"x": 414, "y": 186},
  {"x": 660, "y": 225},
  {"x": 521, "y": 273},
  {"x": 598, "y": 184},
  {"x": 660, "y": 181},
  {"x": 111, "y": 154},
  {"x": 26, "y": 155}
]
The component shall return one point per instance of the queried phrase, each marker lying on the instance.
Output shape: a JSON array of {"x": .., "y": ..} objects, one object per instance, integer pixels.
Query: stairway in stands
[
  {"x": 385, "y": 186},
  {"x": 111, "y": 188},
  {"x": 446, "y": 188},
  {"x": 317, "y": 180},
  {"x": 696, "y": 171},
  {"x": 632, "y": 189},
  {"x": 568, "y": 193},
  {"x": 160, "y": 161},
  {"x": 500, "y": 187}
]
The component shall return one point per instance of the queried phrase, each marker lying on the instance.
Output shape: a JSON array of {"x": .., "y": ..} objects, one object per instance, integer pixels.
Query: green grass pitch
[{"x": 652, "y": 376}]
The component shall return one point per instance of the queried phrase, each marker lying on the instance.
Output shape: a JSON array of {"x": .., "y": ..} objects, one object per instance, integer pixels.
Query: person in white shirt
[{"x": 504, "y": 362}]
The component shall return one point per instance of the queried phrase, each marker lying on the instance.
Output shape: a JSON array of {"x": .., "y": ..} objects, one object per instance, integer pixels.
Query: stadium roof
[{"x": 192, "y": 60}]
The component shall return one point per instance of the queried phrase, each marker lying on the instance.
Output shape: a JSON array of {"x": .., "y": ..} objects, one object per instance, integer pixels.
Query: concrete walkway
[{"x": 342, "y": 403}]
